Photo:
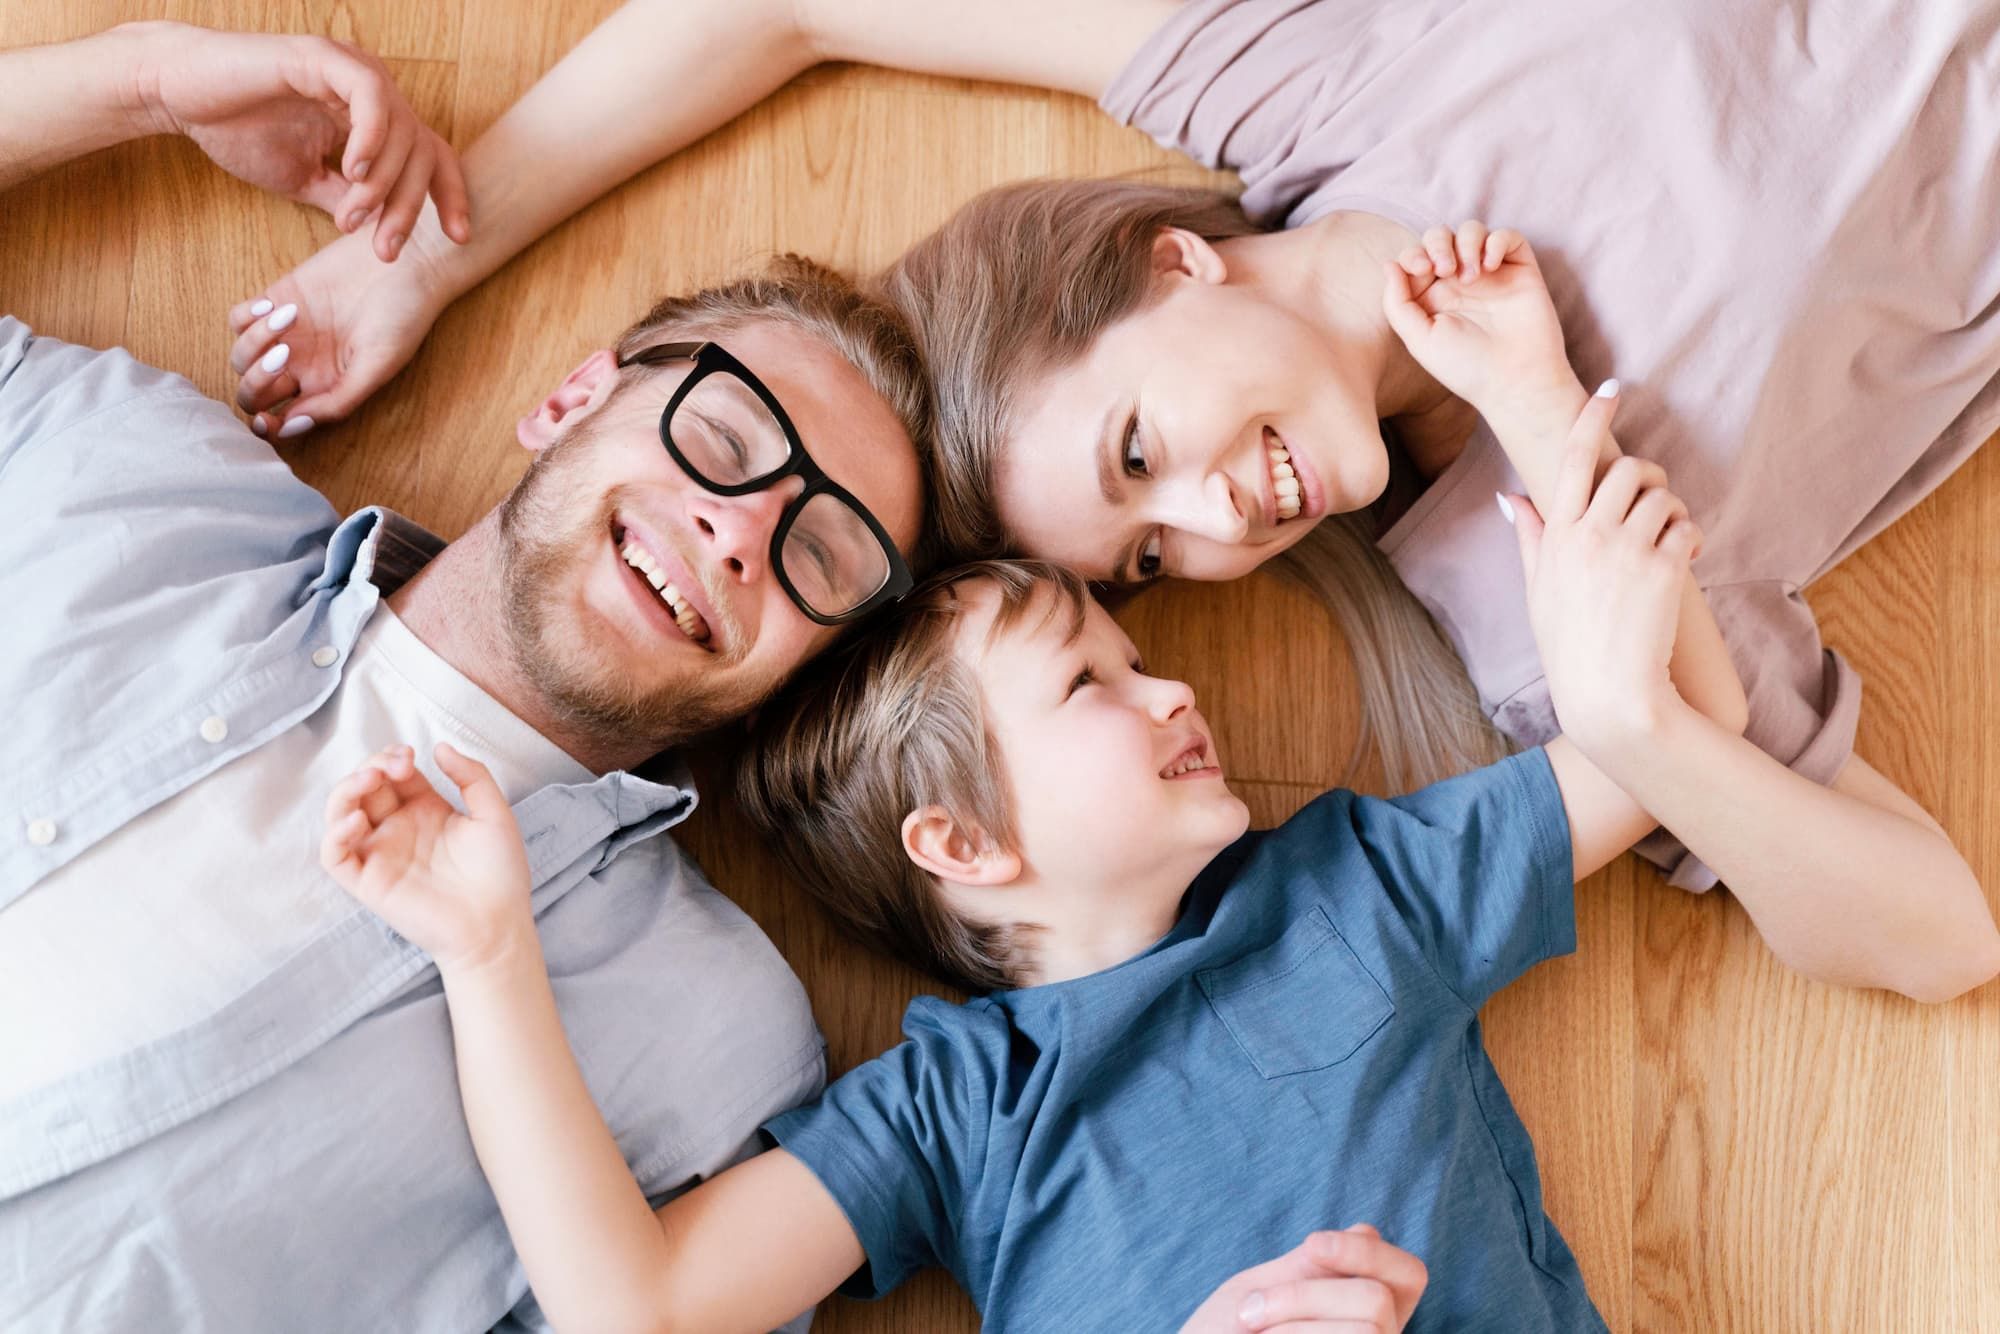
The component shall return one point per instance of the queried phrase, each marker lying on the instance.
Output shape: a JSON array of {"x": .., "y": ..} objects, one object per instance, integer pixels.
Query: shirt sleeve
[
  {"x": 897, "y": 1140},
  {"x": 1243, "y": 85},
  {"x": 1478, "y": 868}
]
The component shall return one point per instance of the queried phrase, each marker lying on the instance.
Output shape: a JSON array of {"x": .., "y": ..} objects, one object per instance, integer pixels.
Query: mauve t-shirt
[{"x": 1777, "y": 223}]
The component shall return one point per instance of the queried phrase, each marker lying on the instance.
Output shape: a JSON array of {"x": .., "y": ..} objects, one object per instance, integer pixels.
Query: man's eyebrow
[{"x": 1108, "y": 480}]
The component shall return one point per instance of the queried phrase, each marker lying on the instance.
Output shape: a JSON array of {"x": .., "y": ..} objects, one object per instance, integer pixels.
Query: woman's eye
[
  {"x": 1148, "y": 562},
  {"x": 1135, "y": 456}
]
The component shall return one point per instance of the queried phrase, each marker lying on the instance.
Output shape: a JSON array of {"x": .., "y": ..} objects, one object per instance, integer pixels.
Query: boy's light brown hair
[{"x": 887, "y": 724}]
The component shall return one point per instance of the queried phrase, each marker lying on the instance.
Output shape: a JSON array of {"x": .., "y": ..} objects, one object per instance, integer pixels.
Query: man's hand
[
  {"x": 456, "y": 886},
  {"x": 1605, "y": 573},
  {"x": 1349, "y": 1280},
  {"x": 306, "y": 117},
  {"x": 346, "y": 324},
  {"x": 1473, "y": 310}
]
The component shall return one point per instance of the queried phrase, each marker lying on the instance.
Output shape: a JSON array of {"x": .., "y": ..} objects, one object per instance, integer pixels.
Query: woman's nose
[{"x": 1209, "y": 509}]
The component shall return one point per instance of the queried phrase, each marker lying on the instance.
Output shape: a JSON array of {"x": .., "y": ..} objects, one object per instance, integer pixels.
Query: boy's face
[{"x": 1114, "y": 776}]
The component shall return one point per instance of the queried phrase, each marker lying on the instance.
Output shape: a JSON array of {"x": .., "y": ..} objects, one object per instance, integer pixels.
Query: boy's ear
[
  {"x": 1176, "y": 250},
  {"x": 580, "y": 394},
  {"x": 957, "y": 855}
]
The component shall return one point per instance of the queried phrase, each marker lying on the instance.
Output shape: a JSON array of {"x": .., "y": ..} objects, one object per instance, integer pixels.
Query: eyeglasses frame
[{"x": 712, "y": 359}]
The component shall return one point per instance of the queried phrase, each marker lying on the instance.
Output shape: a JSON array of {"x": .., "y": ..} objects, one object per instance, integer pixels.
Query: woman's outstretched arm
[{"x": 648, "y": 81}]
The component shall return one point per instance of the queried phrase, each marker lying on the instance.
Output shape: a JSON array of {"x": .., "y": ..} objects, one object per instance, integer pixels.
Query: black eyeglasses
[{"x": 727, "y": 431}]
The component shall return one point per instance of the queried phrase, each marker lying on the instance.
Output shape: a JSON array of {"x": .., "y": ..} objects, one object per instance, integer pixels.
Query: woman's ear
[
  {"x": 939, "y": 844},
  {"x": 1178, "y": 250}
]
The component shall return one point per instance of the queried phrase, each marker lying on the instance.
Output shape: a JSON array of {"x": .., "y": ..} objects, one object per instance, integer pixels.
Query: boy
[{"x": 1214, "y": 1043}]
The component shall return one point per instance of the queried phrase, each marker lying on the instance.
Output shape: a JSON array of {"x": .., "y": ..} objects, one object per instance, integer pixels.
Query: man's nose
[
  {"x": 735, "y": 532},
  {"x": 1209, "y": 508}
]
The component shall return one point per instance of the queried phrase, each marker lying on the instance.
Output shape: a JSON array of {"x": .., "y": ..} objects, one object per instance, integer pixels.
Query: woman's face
[{"x": 1196, "y": 438}]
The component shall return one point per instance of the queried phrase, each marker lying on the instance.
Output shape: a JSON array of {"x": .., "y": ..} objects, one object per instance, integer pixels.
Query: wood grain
[{"x": 1725, "y": 1146}]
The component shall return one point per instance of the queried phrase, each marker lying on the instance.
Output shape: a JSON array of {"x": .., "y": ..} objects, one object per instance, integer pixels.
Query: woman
[{"x": 1776, "y": 224}]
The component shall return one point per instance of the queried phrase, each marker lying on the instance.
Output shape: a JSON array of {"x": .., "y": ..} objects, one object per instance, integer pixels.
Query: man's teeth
[
  {"x": 1284, "y": 481},
  {"x": 1187, "y": 764},
  {"x": 685, "y": 616}
]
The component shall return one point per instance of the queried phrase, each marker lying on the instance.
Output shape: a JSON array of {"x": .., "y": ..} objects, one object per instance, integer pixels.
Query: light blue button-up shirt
[{"x": 299, "y": 1160}]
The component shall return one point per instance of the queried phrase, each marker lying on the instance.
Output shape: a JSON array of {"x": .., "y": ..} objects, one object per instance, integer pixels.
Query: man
[{"x": 226, "y": 1095}]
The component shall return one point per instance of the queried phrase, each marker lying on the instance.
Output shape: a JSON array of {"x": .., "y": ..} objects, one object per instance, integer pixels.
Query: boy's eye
[
  {"x": 1079, "y": 681},
  {"x": 1135, "y": 455},
  {"x": 1148, "y": 562}
]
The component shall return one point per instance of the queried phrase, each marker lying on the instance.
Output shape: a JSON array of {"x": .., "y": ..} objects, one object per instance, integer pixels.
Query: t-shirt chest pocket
[{"x": 1302, "y": 1004}]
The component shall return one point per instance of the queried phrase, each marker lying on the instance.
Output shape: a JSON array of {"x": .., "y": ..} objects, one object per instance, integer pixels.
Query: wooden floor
[{"x": 1725, "y": 1146}]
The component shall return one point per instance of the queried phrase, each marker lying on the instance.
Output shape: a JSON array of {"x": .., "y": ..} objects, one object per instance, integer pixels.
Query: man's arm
[
  {"x": 272, "y": 109},
  {"x": 60, "y": 102},
  {"x": 651, "y": 79}
]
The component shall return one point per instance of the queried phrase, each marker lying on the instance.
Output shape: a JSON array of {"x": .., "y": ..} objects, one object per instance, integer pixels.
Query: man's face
[{"x": 604, "y": 515}]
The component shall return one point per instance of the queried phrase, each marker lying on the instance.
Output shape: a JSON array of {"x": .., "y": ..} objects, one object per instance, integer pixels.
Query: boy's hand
[
  {"x": 456, "y": 886},
  {"x": 1605, "y": 573},
  {"x": 1349, "y": 1280},
  {"x": 1474, "y": 311}
]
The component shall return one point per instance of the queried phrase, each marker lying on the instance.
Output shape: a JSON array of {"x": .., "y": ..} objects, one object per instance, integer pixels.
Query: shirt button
[
  {"x": 325, "y": 655},
  {"x": 214, "y": 729},
  {"x": 41, "y": 833}
]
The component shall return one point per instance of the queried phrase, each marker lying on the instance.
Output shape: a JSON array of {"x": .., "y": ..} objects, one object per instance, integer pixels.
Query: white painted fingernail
[
  {"x": 294, "y": 426},
  {"x": 1609, "y": 389},
  {"x": 260, "y": 308},
  {"x": 257, "y": 424},
  {"x": 276, "y": 358},
  {"x": 1506, "y": 509},
  {"x": 281, "y": 318}
]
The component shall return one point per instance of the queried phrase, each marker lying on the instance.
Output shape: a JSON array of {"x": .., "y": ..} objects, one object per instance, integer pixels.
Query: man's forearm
[
  {"x": 1843, "y": 890},
  {"x": 62, "y": 101}
]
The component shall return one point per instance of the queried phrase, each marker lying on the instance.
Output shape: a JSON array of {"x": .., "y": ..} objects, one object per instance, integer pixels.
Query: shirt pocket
[{"x": 1303, "y": 1004}]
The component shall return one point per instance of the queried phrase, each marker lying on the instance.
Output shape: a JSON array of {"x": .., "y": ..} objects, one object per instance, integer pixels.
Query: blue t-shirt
[{"x": 1300, "y": 1052}]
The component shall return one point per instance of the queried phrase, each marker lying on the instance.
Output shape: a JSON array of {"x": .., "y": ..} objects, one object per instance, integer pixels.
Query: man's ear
[
  {"x": 581, "y": 393},
  {"x": 1177, "y": 250},
  {"x": 939, "y": 844}
]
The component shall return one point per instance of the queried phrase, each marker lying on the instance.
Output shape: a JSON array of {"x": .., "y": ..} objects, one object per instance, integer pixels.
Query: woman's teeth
[
  {"x": 1284, "y": 481},
  {"x": 1187, "y": 764},
  {"x": 685, "y": 616}
]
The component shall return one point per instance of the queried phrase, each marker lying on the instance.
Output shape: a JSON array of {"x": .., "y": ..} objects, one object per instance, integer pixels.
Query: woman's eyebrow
[{"x": 1110, "y": 477}]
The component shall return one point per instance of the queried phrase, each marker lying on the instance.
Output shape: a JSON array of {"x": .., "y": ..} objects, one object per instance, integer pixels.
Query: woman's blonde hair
[{"x": 1017, "y": 284}]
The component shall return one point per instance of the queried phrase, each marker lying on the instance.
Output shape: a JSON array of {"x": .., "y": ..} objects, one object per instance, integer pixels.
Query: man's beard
[{"x": 549, "y": 525}]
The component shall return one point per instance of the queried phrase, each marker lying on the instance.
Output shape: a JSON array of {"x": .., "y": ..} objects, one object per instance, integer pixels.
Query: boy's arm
[
  {"x": 652, "y": 78},
  {"x": 1842, "y": 889},
  {"x": 1501, "y": 350},
  {"x": 748, "y": 1250}
]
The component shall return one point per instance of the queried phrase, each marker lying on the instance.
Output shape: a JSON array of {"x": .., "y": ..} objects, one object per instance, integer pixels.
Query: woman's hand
[
  {"x": 456, "y": 886},
  {"x": 346, "y": 324},
  {"x": 1605, "y": 574},
  {"x": 305, "y": 117},
  {"x": 1473, "y": 310}
]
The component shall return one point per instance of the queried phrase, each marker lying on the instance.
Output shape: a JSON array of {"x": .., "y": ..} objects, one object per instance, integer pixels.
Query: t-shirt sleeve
[
  {"x": 897, "y": 1141},
  {"x": 1242, "y": 84},
  {"x": 1478, "y": 868},
  {"x": 1805, "y": 699}
]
